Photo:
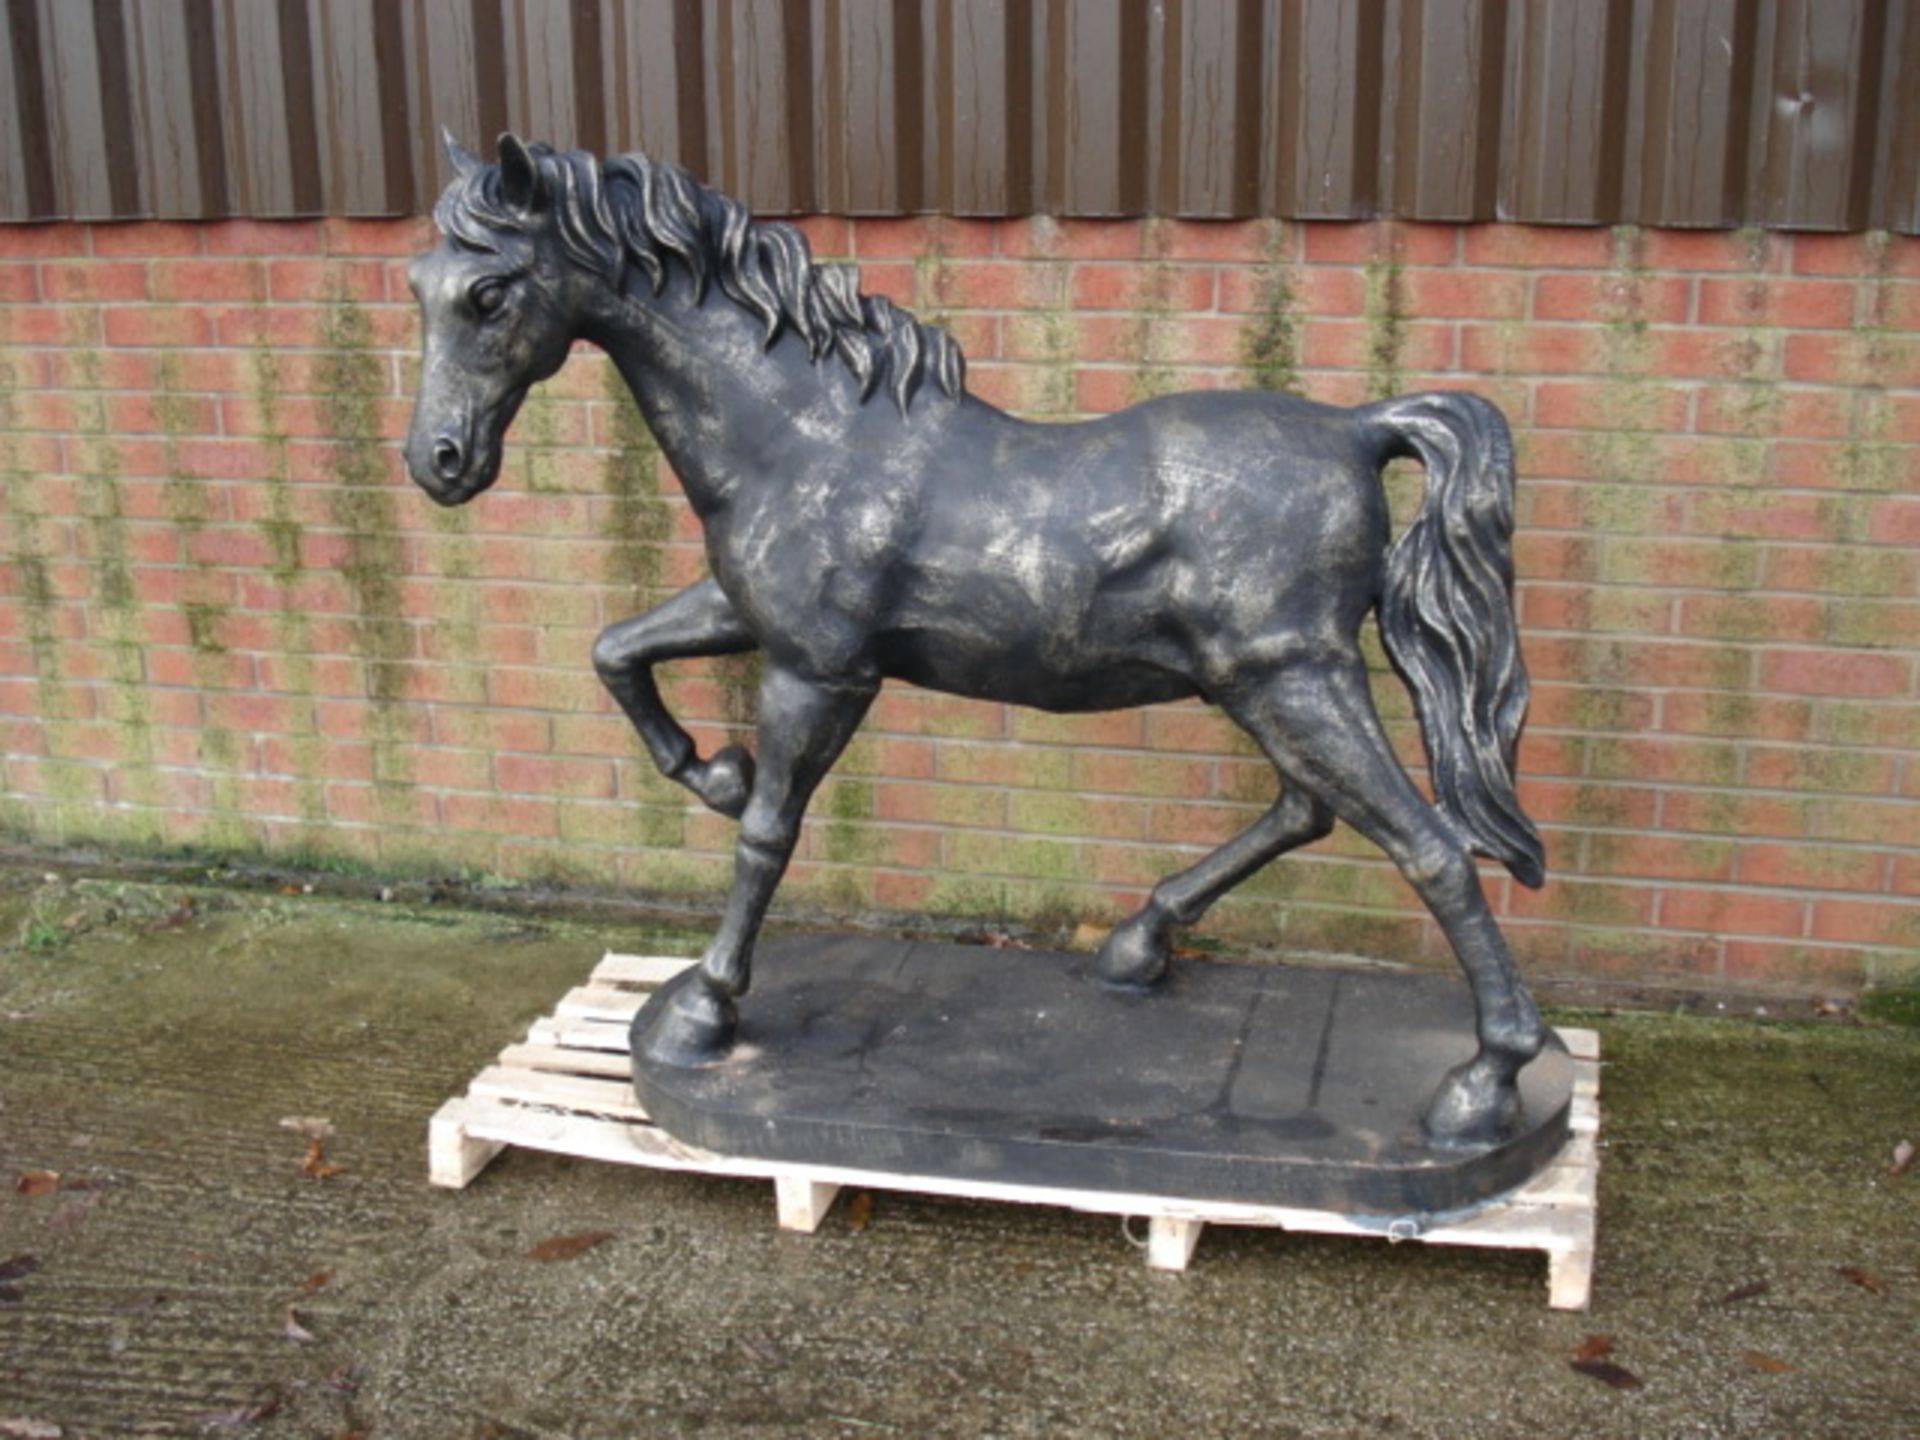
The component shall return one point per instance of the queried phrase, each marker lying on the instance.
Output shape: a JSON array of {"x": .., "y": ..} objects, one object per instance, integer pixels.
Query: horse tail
[{"x": 1446, "y": 617}]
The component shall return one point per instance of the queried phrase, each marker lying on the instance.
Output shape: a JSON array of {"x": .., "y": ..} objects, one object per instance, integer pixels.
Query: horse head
[{"x": 499, "y": 305}]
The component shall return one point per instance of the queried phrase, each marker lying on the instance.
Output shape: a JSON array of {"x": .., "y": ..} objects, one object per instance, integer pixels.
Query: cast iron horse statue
[{"x": 867, "y": 518}]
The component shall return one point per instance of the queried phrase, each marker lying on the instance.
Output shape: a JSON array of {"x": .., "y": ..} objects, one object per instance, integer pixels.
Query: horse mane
[{"x": 634, "y": 211}]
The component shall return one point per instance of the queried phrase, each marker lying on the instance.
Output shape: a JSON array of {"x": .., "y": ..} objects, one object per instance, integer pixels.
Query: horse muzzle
[{"x": 450, "y": 466}]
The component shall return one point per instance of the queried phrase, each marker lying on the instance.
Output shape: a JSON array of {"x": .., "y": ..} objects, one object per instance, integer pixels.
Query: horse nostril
[{"x": 448, "y": 461}]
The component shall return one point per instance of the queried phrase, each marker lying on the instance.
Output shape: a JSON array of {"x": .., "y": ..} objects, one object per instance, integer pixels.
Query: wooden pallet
[{"x": 565, "y": 1089}]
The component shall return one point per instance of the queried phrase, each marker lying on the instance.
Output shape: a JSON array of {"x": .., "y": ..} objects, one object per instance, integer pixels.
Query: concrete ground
[{"x": 1758, "y": 1273}]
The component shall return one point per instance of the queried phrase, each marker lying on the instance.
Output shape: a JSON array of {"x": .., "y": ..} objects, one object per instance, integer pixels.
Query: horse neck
[{"x": 719, "y": 403}]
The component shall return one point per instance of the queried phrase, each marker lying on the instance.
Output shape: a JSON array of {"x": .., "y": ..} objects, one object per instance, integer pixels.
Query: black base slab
[{"x": 1284, "y": 1085}]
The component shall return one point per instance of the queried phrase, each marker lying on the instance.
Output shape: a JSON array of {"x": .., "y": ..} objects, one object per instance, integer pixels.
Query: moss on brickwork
[
  {"x": 1048, "y": 330},
  {"x": 1155, "y": 330},
  {"x": 117, "y": 606},
  {"x": 1621, "y": 445},
  {"x": 26, "y": 549},
  {"x": 1386, "y": 320},
  {"x": 640, "y": 521},
  {"x": 190, "y": 505},
  {"x": 362, "y": 504},
  {"x": 293, "y": 628},
  {"x": 1868, "y": 460},
  {"x": 1270, "y": 344}
]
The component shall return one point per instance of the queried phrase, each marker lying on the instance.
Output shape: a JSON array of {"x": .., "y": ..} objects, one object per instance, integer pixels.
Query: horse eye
[{"x": 488, "y": 296}]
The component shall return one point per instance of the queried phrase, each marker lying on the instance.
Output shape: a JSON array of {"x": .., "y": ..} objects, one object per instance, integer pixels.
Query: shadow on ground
[{"x": 186, "y": 1274}]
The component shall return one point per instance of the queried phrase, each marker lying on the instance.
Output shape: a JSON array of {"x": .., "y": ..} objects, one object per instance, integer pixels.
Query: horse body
[{"x": 1214, "y": 544}]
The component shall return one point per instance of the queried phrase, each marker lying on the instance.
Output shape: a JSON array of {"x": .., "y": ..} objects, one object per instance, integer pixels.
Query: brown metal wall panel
[
  {"x": 1447, "y": 106},
  {"x": 1789, "y": 113}
]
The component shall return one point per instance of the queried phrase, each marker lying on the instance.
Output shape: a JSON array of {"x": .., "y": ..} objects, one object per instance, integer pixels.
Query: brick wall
[{"x": 226, "y": 620}]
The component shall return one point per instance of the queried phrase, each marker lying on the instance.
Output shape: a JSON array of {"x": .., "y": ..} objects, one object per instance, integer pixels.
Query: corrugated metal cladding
[{"x": 1783, "y": 113}]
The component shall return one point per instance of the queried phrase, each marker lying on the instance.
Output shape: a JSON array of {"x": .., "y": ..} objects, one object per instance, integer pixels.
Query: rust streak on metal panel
[
  {"x": 909, "y": 114},
  {"x": 209, "y": 140},
  {"x": 1019, "y": 73},
  {"x": 1250, "y": 48},
  {"x": 490, "y": 70},
  {"x": 690, "y": 96},
  {"x": 589, "y": 78},
  {"x": 1131, "y": 98},
  {"x": 116, "y": 105},
  {"x": 303, "y": 134},
  {"x": 801, "y": 123},
  {"x": 396, "y": 115},
  {"x": 30, "y": 108}
]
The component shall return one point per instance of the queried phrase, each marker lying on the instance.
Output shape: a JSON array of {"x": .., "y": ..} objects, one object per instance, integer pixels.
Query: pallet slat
[{"x": 565, "y": 1089}]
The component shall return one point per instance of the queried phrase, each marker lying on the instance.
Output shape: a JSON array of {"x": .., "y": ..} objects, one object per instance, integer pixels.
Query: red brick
[
  {"x": 244, "y": 280},
  {"x": 106, "y": 280},
  {"x": 147, "y": 237},
  {"x": 1657, "y": 299},
  {"x": 1538, "y": 247},
  {"x": 1794, "y": 966},
  {"x": 175, "y": 325},
  {"x": 1836, "y": 672},
  {"x": 1348, "y": 345},
  {"x": 26, "y": 242},
  {"x": 1811, "y": 867},
  {"x": 922, "y": 237},
  {"x": 1045, "y": 238},
  {"x": 1463, "y": 294},
  {"x": 1868, "y": 922},
  {"x": 1770, "y": 300},
  {"x": 377, "y": 237},
  {"x": 1660, "y": 857},
  {"x": 1847, "y": 360},
  {"x": 1855, "y": 255},
  {"x": 1239, "y": 242},
  {"x": 261, "y": 237},
  {"x": 1732, "y": 912},
  {"x": 1357, "y": 243},
  {"x": 1600, "y": 405},
  {"x": 1707, "y": 250},
  {"x": 1177, "y": 289}
]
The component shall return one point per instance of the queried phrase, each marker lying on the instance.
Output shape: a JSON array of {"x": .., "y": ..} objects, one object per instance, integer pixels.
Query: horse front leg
[
  {"x": 700, "y": 620},
  {"x": 804, "y": 724}
]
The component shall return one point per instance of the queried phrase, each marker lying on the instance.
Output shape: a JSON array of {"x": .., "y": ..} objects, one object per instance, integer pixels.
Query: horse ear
[
  {"x": 463, "y": 161},
  {"x": 519, "y": 174}
]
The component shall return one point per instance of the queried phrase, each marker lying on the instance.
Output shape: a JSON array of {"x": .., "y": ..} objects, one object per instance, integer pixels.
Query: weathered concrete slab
[{"x": 157, "y": 1050}]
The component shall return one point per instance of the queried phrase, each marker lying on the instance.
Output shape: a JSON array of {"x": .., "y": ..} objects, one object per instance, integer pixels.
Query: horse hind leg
[
  {"x": 1137, "y": 950},
  {"x": 1318, "y": 725}
]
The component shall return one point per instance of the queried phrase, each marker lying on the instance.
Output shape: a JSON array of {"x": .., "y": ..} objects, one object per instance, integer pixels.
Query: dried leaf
[
  {"x": 69, "y": 1213},
  {"x": 18, "y": 1267},
  {"x": 1822, "y": 1005},
  {"x": 145, "y": 1302},
  {"x": 1902, "y": 1158},
  {"x": 860, "y": 1210},
  {"x": 247, "y": 1414},
  {"x": 314, "y": 1127},
  {"x": 1746, "y": 1292},
  {"x": 565, "y": 1247},
  {"x": 1765, "y": 1363},
  {"x": 21, "y": 1428},
  {"x": 84, "y": 1182},
  {"x": 1608, "y": 1373},
  {"x": 37, "y": 1182},
  {"x": 1087, "y": 937},
  {"x": 1865, "y": 1279},
  {"x": 1594, "y": 1347},
  {"x": 295, "y": 1331},
  {"x": 345, "y": 1379},
  {"x": 316, "y": 1281},
  {"x": 316, "y": 1162}
]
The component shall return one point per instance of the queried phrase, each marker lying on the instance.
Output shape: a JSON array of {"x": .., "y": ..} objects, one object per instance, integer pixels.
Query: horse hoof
[
  {"x": 726, "y": 781},
  {"x": 1477, "y": 1104},
  {"x": 1134, "y": 956},
  {"x": 696, "y": 1028}
]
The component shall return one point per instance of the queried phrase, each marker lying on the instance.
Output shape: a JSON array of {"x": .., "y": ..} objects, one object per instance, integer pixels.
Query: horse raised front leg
[
  {"x": 1318, "y": 725},
  {"x": 700, "y": 620},
  {"x": 1137, "y": 950},
  {"x": 804, "y": 725}
]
